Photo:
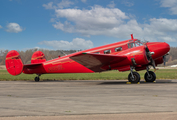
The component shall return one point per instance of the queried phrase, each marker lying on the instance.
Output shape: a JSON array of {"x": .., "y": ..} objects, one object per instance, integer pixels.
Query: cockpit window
[
  {"x": 138, "y": 43},
  {"x": 131, "y": 45}
]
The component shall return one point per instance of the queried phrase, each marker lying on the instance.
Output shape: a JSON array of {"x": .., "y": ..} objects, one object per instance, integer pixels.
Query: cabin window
[
  {"x": 107, "y": 51},
  {"x": 118, "y": 49}
]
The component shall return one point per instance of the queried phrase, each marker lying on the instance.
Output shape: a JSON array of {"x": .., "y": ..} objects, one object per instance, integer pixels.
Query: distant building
[{"x": 174, "y": 66}]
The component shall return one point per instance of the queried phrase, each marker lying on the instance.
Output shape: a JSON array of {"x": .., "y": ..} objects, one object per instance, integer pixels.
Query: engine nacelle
[
  {"x": 135, "y": 57},
  {"x": 138, "y": 57},
  {"x": 159, "y": 60}
]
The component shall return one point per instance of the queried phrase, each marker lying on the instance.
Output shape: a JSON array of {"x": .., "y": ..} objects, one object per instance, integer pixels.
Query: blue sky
[{"x": 83, "y": 24}]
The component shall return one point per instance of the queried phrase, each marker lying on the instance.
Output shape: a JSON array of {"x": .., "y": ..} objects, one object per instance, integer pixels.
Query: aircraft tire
[
  {"x": 36, "y": 79},
  {"x": 136, "y": 77},
  {"x": 150, "y": 78}
]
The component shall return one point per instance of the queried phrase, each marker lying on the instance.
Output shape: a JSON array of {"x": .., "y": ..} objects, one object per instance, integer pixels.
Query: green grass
[{"x": 109, "y": 75}]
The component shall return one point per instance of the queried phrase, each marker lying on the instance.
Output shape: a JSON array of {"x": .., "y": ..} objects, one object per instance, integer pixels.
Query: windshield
[
  {"x": 135, "y": 43},
  {"x": 139, "y": 43}
]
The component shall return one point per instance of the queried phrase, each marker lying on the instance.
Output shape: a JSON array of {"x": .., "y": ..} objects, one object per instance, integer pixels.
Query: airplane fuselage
[{"x": 66, "y": 65}]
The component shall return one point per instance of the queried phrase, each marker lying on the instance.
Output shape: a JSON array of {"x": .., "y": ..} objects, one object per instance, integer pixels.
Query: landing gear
[
  {"x": 149, "y": 76},
  {"x": 37, "y": 78},
  {"x": 134, "y": 77}
]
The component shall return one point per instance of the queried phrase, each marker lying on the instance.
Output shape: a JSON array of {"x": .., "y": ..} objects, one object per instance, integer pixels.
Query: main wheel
[
  {"x": 151, "y": 77},
  {"x": 136, "y": 78},
  {"x": 36, "y": 79}
]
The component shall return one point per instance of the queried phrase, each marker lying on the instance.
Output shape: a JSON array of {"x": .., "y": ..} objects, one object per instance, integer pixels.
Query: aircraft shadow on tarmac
[
  {"x": 142, "y": 82},
  {"x": 48, "y": 80},
  {"x": 107, "y": 82}
]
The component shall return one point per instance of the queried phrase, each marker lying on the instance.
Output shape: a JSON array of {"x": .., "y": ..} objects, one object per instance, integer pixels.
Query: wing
[{"x": 95, "y": 61}]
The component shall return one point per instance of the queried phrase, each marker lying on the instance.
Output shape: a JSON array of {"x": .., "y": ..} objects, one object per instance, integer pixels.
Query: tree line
[
  {"x": 51, "y": 54},
  {"x": 26, "y": 55}
]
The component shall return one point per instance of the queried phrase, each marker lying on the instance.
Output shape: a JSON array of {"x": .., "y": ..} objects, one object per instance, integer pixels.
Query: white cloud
[
  {"x": 14, "y": 28},
  {"x": 1, "y": 27},
  {"x": 62, "y": 4},
  {"x": 164, "y": 24},
  {"x": 84, "y": 1},
  {"x": 113, "y": 22},
  {"x": 75, "y": 44},
  {"x": 89, "y": 22},
  {"x": 48, "y": 6},
  {"x": 67, "y": 27},
  {"x": 111, "y": 5},
  {"x": 171, "y": 4},
  {"x": 128, "y": 4},
  {"x": 168, "y": 39},
  {"x": 52, "y": 20}
]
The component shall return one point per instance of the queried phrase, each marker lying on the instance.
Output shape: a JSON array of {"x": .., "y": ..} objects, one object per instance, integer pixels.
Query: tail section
[
  {"x": 14, "y": 64},
  {"x": 38, "y": 57}
]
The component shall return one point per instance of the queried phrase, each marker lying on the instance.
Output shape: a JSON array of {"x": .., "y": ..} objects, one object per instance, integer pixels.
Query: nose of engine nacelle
[
  {"x": 159, "y": 49},
  {"x": 165, "y": 47}
]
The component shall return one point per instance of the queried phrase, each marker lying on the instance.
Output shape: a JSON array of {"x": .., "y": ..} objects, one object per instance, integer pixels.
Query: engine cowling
[
  {"x": 139, "y": 57},
  {"x": 136, "y": 57},
  {"x": 159, "y": 61}
]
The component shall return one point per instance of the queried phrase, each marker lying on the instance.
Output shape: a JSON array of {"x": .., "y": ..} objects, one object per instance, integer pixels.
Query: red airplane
[{"x": 126, "y": 55}]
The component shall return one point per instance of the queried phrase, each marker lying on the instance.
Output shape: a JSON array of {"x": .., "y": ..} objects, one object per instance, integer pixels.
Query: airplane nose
[
  {"x": 162, "y": 49},
  {"x": 159, "y": 49},
  {"x": 166, "y": 47}
]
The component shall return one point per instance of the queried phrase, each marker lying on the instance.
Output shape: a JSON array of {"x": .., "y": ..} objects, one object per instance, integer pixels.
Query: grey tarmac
[{"x": 88, "y": 99}]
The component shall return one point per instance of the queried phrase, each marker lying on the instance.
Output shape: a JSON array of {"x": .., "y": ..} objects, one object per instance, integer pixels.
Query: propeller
[
  {"x": 149, "y": 56},
  {"x": 164, "y": 59}
]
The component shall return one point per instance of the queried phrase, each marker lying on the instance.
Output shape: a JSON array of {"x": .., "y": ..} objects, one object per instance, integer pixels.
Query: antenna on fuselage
[
  {"x": 132, "y": 36},
  {"x": 63, "y": 52}
]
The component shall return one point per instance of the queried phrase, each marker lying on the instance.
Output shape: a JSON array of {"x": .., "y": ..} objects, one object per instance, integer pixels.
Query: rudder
[{"x": 14, "y": 64}]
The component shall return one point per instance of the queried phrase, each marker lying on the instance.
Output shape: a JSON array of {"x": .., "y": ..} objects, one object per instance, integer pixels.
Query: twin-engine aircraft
[{"x": 129, "y": 55}]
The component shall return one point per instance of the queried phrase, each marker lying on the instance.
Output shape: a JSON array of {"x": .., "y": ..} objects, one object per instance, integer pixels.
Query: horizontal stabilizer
[
  {"x": 31, "y": 66},
  {"x": 94, "y": 61}
]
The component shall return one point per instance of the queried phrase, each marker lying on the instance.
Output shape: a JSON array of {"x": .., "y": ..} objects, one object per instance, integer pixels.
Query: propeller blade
[
  {"x": 164, "y": 60},
  {"x": 153, "y": 64},
  {"x": 149, "y": 56}
]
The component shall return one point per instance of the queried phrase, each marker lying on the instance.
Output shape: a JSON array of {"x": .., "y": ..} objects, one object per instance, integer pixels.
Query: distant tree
[
  {"x": 3, "y": 54},
  {"x": 52, "y": 54}
]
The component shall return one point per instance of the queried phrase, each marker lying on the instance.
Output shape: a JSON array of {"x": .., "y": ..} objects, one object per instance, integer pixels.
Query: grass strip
[{"x": 109, "y": 75}]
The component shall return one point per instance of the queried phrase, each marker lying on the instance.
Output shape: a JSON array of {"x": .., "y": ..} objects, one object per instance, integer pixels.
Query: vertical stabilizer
[
  {"x": 14, "y": 64},
  {"x": 38, "y": 57}
]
